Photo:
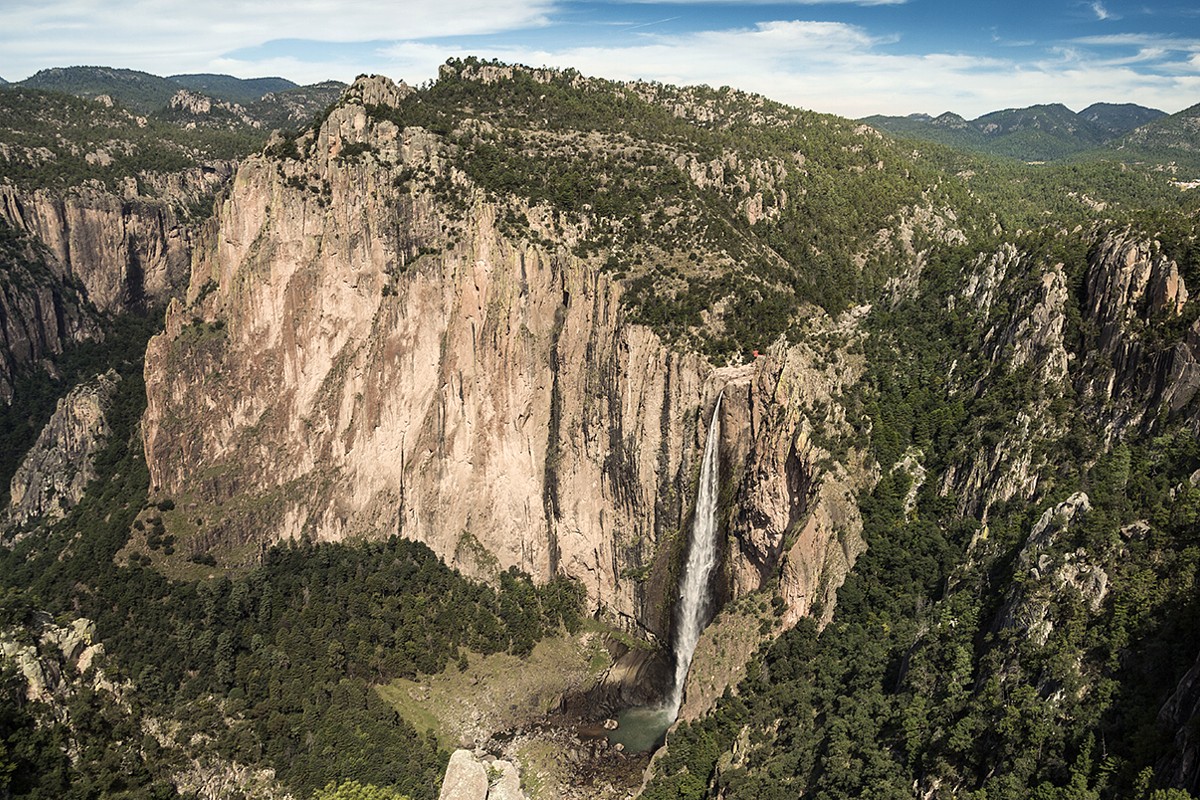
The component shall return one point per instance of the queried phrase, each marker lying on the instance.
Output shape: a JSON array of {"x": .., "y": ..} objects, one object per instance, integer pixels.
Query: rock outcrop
[
  {"x": 204, "y": 109},
  {"x": 86, "y": 253},
  {"x": 469, "y": 777},
  {"x": 57, "y": 469},
  {"x": 51, "y": 662},
  {"x": 1135, "y": 372},
  {"x": 358, "y": 358},
  {"x": 1180, "y": 715},
  {"x": 1130, "y": 372},
  {"x": 1047, "y": 572},
  {"x": 1023, "y": 335}
]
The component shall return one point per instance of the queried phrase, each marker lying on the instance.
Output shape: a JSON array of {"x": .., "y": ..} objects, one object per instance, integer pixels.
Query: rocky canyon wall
[
  {"x": 81, "y": 253},
  {"x": 57, "y": 470},
  {"x": 357, "y": 357}
]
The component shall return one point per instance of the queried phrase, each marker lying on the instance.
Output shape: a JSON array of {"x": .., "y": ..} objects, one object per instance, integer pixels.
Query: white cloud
[
  {"x": 1100, "y": 11},
  {"x": 161, "y": 35},
  {"x": 842, "y": 69},
  {"x": 1140, "y": 40},
  {"x": 827, "y": 66}
]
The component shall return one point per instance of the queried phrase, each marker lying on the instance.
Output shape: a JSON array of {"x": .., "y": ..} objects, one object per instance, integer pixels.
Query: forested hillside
[
  {"x": 986, "y": 646},
  {"x": 993, "y": 365},
  {"x": 1124, "y": 132}
]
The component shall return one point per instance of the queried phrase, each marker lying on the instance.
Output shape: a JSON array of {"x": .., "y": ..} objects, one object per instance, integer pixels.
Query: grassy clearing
[{"x": 497, "y": 692}]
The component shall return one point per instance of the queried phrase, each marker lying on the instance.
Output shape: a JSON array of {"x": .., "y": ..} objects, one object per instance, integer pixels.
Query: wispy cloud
[
  {"x": 1141, "y": 40},
  {"x": 1101, "y": 12},
  {"x": 782, "y": 2},
  {"x": 845, "y": 69},
  {"x": 651, "y": 24},
  {"x": 159, "y": 35}
]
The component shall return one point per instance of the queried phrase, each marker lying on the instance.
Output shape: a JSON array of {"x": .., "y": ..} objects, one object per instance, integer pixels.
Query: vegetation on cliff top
[
  {"x": 50, "y": 140},
  {"x": 726, "y": 217}
]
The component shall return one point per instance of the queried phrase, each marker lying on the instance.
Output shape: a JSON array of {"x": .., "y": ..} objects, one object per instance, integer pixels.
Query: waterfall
[{"x": 694, "y": 602}]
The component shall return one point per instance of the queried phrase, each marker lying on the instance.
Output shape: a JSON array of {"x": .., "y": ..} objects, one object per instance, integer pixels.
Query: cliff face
[
  {"x": 795, "y": 505},
  {"x": 1132, "y": 361},
  {"x": 1139, "y": 368},
  {"x": 57, "y": 470},
  {"x": 90, "y": 253},
  {"x": 127, "y": 252},
  {"x": 40, "y": 314},
  {"x": 1023, "y": 343},
  {"x": 358, "y": 358}
]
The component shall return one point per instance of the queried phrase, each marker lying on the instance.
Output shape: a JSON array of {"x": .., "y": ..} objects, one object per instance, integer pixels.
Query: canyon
[
  {"x": 965, "y": 441},
  {"x": 343, "y": 366}
]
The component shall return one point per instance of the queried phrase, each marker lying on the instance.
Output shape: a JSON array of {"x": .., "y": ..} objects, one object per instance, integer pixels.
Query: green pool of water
[{"x": 641, "y": 728}]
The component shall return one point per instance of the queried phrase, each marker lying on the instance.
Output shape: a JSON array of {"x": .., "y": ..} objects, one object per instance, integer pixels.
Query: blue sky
[{"x": 849, "y": 57}]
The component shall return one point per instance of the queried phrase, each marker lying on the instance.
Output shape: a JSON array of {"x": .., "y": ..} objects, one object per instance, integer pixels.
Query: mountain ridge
[
  {"x": 268, "y": 102},
  {"x": 493, "y": 313},
  {"x": 1045, "y": 132},
  {"x": 236, "y": 90}
]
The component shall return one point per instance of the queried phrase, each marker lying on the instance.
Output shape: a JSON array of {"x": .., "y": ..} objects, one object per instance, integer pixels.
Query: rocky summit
[{"x": 361, "y": 458}]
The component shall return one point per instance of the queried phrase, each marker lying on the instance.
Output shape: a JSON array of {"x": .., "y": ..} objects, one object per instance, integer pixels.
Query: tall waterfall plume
[{"x": 695, "y": 602}]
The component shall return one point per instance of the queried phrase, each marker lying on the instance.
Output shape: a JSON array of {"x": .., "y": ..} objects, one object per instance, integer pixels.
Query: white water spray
[{"x": 694, "y": 602}]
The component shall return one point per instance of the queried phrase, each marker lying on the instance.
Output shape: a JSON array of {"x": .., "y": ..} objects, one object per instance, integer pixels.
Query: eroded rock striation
[
  {"x": 40, "y": 313},
  {"x": 73, "y": 256},
  {"x": 54, "y": 474},
  {"x": 126, "y": 252},
  {"x": 356, "y": 357}
]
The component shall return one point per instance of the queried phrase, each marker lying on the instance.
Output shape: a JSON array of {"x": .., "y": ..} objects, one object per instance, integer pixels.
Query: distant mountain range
[
  {"x": 1176, "y": 133},
  {"x": 235, "y": 90},
  {"x": 1051, "y": 132},
  {"x": 142, "y": 91},
  {"x": 258, "y": 102},
  {"x": 1054, "y": 132}
]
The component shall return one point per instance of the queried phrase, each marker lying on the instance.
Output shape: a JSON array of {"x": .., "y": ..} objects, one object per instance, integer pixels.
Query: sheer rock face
[
  {"x": 125, "y": 253},
  {"x": 796, "y": 514},
  {"x": 56, "y": 471},
  {"x": 358, "y": 359},
  {"x": 91, "y": 252},
  {"x": 1132, "y": 291},
  {"x": 40, "y": 314}
]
